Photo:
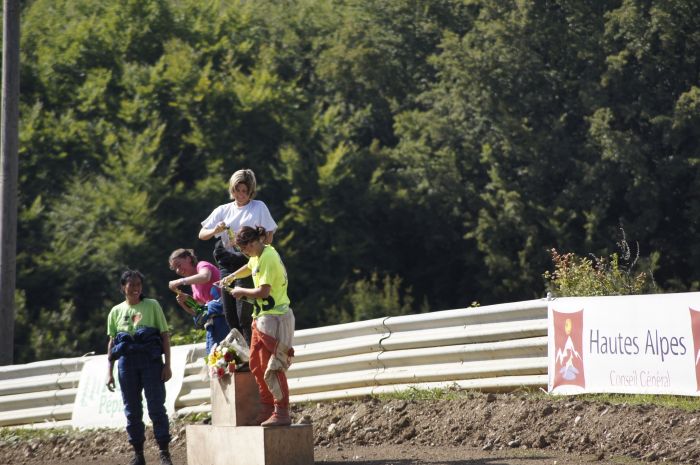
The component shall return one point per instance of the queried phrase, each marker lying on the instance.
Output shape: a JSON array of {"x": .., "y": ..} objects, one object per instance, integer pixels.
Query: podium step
[
  {"x": 250, "y": 445},
  {"x": 234, "y": 400}
]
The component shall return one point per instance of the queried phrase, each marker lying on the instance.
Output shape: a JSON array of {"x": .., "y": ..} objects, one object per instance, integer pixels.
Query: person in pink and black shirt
[{"x": 200, "y": 275}]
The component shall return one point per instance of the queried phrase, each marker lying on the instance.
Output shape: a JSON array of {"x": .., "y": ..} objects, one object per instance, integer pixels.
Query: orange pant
[{"x": 262, "y": 346}]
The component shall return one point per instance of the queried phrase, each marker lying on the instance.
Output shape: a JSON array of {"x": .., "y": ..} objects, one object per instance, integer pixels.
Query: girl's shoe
[
  {"x": 280, "y": 417},
  {"x": 266, "y": 411},
  {"x": 138, "y": 459}
]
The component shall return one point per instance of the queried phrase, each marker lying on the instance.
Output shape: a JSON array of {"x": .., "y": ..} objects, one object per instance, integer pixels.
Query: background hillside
[{"x": 416, "y": 154}]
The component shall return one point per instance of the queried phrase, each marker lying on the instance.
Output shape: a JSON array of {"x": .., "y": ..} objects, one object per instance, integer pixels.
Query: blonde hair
[
  {"x": 246, "y": 177},
  {"x": 182, "y": 253}
]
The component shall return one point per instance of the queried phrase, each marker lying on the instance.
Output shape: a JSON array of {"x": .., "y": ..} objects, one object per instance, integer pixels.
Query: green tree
[
  {"x": 367, "y": 65},
  {"x": 443, "y": 146},
  {"x": 644, "y": 133},
  {"x": 138, "y": 112},
  {"x": 101, "y": 225},
  {"x": 377, "y": 297}
]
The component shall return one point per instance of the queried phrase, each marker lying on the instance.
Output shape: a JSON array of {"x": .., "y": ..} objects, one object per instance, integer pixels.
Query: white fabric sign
[
  {"x": 96, "y": 407},
  {"x": 644, "y": 344}
]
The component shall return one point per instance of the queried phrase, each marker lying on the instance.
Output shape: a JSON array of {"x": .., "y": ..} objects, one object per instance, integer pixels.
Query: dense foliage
[{"x": 416, "y": 154}]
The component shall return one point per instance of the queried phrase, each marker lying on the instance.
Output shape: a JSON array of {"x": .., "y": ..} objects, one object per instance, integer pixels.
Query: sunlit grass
[
  {"x": 10, "y": 435},
  {"x": 415, "y": 394},
  {"x": 195, "y": 417},
  {"x": 686, "y": 403}
]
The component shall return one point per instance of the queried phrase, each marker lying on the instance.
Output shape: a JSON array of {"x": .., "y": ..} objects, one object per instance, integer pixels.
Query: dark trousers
[
  {"x": 138, "y": 373},
  {"x": 239, "y": 313}
]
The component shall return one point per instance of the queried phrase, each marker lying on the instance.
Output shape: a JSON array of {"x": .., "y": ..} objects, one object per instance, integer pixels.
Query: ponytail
[{"x": 247, "y": 235}]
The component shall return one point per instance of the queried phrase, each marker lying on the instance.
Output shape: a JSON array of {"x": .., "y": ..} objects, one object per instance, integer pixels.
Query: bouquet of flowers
[
  {"x": 227, "y": 354},
  {"x": 222, "y": 361}
]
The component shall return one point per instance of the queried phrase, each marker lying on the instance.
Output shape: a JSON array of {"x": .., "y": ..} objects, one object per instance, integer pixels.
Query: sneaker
[
  {"x": 165, "y": 458},
  {"x": 138, "y": 459}
]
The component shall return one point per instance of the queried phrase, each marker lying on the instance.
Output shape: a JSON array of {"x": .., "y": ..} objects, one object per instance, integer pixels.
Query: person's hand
[
  {"x": 174, "y": 285},
  {"x": 226, "y": 280},
  {"x": 219, "y": 227},
  {"x": 181, "y": 298},
  {"x": 237, "y": 292},
  {"x": 166, "y": 373},
  {"x": 110, "y": 383}
]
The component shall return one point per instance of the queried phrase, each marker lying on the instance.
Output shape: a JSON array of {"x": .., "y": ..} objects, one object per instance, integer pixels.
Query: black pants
[{"x": 239, "y": 314}]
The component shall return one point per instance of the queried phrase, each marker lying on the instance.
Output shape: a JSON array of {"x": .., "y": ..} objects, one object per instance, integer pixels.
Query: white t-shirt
[{"x": 254, "y": 213}]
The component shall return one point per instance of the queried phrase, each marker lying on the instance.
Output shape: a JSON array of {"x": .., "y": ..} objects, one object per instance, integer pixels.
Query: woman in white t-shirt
[{"x": 224, "y": 223}]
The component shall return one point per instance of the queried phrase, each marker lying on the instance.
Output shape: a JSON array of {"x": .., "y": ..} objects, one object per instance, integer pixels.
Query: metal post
[{"x": 9, "y": 148}]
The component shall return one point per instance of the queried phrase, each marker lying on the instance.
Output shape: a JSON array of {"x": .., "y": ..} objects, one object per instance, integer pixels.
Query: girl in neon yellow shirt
[{"x": 273, "y": 324}]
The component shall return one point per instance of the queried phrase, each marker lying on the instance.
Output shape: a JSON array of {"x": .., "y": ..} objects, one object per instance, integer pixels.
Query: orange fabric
[{"x": 262, "y": 346}]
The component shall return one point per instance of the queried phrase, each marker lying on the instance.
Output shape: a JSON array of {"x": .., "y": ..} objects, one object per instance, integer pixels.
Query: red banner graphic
[
  {"x": 695, "y": 325},
  {"x": 568, "y": 344}
]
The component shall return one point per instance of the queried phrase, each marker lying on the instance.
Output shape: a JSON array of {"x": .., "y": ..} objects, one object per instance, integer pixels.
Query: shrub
[{"x": 597, "y": 276}]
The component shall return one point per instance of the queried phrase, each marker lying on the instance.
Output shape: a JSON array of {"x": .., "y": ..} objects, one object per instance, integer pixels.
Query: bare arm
[
  {"x": 167, "y": 373},
  {"x": 204, "y": 276},
  {"x": 110, "y": 375},
  {"x": 262, "y": 292},
  {"x": 268, "y": 237},
  {"x": 242, "y": 272},
  {"x": 206, "y": 234}
]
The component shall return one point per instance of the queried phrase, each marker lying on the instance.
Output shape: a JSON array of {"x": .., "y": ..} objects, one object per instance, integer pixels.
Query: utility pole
[{"x": 9, "y": 161}]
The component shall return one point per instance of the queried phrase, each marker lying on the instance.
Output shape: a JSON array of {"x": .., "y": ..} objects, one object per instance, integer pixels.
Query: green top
[{"x": 129, "y": 318}]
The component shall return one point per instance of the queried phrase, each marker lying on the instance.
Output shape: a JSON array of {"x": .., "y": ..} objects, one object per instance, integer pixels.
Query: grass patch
[
  {"x": 416, "y": 394},
  {"x": 685, "y": 403},
  {"x": 193, "y": 417},
  {"x": 11, "y": 435}
]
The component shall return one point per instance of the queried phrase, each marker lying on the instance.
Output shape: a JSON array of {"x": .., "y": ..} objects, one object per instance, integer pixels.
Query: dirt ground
[{"x": 474, "y": 429}]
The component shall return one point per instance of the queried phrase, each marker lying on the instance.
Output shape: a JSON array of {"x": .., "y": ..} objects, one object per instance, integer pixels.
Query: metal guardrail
[{"x": 493, "y": 348}]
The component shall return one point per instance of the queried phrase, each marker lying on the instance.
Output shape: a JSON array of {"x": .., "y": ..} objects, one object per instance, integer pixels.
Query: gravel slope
[{"x": 475, "y": 428}]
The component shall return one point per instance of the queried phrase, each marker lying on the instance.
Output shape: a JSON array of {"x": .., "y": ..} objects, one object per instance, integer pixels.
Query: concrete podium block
[
  {"x": 250, "y": 445},
  {"x": 234, "y": 400}
]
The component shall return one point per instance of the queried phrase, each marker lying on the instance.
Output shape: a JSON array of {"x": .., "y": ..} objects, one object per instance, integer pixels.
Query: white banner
[
  {"x": 96, "y": 406},
  {"x": 644, "y": 344}
]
